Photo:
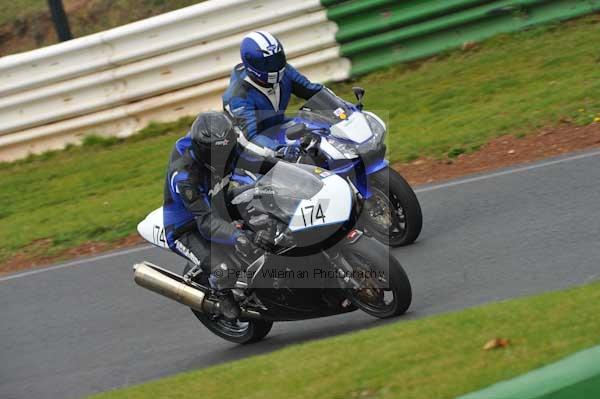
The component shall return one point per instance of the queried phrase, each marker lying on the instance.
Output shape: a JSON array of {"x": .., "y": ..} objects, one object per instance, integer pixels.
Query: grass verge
[
  {"x": 440, "y": 107},
  {"x": 511, "y": 84},
  {"x": 98, "y": 191},
  {"x": 436, "y": 357}
]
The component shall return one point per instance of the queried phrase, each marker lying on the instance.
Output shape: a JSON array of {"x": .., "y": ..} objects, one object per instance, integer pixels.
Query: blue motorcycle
[{"x": 348, "y": 141}]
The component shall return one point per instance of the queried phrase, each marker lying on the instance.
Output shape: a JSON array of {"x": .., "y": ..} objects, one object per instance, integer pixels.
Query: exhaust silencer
[{"x": 170, "y": 285}]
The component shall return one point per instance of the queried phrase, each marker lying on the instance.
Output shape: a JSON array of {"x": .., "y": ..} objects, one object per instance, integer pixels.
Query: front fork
[
  {"x": 341, "y": 266},
  {"x": 358, "y": 175}
]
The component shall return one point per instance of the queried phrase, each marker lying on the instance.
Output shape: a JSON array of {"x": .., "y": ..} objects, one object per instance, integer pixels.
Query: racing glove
[
  {"x": 264, "y": 240},
  {"x": 289, "y": 152}
]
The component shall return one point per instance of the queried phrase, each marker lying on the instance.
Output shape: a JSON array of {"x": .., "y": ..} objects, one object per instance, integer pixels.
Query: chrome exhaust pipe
[{"x": 170, "y": 285}]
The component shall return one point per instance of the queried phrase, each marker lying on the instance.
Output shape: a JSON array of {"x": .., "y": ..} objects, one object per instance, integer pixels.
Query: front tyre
[
  {"x": 393, "y": 213},
  {"x": 385, "y": 290}
]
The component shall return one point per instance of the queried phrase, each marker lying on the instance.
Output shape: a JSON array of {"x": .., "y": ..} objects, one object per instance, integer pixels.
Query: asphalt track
[{"x": 85, "y": 327}]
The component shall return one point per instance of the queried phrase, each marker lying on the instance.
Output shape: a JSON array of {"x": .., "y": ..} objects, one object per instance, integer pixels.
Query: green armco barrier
[
  {"x": 329, "y": 3},
  {"x": 378, "y": 33},
  {"x": 575, "y": 377},
  {"x": 490, "y": 12},
  {"x": 367, "y": 17}
]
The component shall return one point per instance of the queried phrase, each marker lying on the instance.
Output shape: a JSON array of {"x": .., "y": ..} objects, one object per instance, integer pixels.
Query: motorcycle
[
  {"x": 322, "y": 265},
  {"x": 341, "y": 137}
]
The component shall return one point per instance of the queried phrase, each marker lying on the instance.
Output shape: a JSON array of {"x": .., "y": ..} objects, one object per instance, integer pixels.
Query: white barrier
[
  {"x": 157, "y": 69},
  {"x": 152, "y": 76},
  {"x": 125, "y": 120},
  {"x": 157, "y": 35}
]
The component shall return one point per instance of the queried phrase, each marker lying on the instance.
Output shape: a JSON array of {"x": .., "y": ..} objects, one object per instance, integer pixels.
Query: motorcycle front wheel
[
  {"x": 393, "y": 213},
  {"x": 385, "y": 289}
]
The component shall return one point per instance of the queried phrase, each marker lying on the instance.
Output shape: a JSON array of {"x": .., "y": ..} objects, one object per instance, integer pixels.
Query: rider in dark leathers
[{"x": 197, "y": 223}]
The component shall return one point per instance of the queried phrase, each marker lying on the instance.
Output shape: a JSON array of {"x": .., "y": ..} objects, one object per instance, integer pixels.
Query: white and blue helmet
[{"x": 263, "y": 57}]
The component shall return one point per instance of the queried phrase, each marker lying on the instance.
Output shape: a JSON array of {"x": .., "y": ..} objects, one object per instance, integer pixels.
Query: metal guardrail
[
  {"x": 153, "y": 76},
  {"x": 379, "y": 33},
  {"x": 183, "y": 28},
  {"x": 175, "y": 64}
]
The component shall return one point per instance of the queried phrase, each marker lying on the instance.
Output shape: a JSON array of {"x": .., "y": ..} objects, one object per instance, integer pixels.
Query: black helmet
[{"x": 213, "y": 141}]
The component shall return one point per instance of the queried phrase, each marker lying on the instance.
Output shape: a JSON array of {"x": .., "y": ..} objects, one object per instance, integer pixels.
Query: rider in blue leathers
[
  {"x": 196, "y": 218},
  {"x": 260, "y": 88}
]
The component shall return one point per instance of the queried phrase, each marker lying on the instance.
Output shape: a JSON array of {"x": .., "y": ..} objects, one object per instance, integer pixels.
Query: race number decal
[
  {"x": 152, "y": 228},
  {"x": 159, "y": 236},
  {"x": 330, "y": 205},
  {"x": 310, "y": 217}
]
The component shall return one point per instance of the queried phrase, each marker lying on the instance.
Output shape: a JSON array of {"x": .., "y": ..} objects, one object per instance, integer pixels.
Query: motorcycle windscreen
[
  {"x": 281, "y": 190},
  {"x": 325, "y": 108}
]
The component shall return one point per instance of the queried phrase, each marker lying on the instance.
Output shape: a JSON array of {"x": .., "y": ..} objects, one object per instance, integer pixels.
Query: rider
[
  {"x": 260, "y": 88},
  {"x": 195, "y": 216}
]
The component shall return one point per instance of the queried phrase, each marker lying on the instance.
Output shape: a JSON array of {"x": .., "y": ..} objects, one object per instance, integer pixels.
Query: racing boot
[{"x": 223, "y": 279}]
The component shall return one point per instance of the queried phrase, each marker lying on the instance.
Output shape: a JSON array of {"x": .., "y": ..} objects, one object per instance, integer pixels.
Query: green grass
[
  {"x": 94, "y": 192},
  {"x": 110, "y": 13},
  {"x": 437, "y": 357},
  {"x": 12, "y": 10},
  {"x": 441, "y": 107},
  {"x": 100, "y": 15}
]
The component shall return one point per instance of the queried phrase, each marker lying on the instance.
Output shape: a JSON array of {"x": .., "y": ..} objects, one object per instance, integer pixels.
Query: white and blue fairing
[
  {"x": 350, "y": 139},
  {"x": 303, "y": 196},
  {"x": 330, "y": 205},
  {"x": 306, "y": 196}
]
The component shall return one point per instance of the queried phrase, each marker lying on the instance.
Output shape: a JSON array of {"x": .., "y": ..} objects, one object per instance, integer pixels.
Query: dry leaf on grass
[{"x": 496, "y": 343}]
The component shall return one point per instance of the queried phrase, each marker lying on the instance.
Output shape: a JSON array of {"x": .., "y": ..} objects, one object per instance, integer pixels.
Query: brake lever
[
  {"x": 306, "y": 142},
  {"x": 310, "y": 143}
]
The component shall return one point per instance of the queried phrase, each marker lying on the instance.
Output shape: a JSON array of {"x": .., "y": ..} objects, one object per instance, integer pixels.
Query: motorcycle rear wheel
[
  {"x": 384, "y": 278},
  {"x": 237, "y": 331},
  {"x": 394, "y": 197}
]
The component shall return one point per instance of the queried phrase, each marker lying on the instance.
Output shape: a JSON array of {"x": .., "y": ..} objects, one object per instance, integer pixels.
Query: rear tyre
[
  {"x": 385, "y": 291},
  {"x": 240, "y": 332},
  {"x": 237, "y": 331},
  {"x": 394, "y": 214}
]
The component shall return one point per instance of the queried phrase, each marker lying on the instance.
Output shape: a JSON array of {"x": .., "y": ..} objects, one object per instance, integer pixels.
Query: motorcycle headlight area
[
  {"x": 352, "y": 150},
  {"x": 377, "y": 129},
  {"x": 349, "y": 150}
]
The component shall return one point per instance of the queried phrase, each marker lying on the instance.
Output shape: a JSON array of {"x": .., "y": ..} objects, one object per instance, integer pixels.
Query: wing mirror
[
  {"x": 296, "y": 131},
  {"x": 359, "y": 92}
]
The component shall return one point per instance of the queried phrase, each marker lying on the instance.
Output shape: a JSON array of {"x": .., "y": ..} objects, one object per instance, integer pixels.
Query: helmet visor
[{"x": 271, "y": 63}]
